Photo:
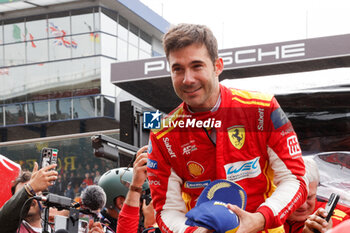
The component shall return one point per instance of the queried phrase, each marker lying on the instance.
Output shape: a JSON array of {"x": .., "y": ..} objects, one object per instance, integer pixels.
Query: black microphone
[
  {"x": 54, "y": 200},
  {"x": 61, "y": 231},
  {"x": 93, "y": 198}
]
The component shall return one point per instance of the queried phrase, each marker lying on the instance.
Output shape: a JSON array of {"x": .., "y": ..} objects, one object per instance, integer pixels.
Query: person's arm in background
[
  {"x": 10, "y": 211},
  {"x": 128, "y": 220}
]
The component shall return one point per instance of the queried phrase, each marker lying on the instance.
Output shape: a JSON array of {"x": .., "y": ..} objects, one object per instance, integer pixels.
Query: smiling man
[{"x": 254, "y": 145}]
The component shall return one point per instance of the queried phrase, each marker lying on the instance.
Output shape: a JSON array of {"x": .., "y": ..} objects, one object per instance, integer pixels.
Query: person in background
[
  {"x": 308, "y": 217},
  {"x": 88, "y": 180},
  {"x": 220, "y": 133},
  {"x": 26, "y": 186},
  {"x": 97, "y": 177},
  {"x": 123, "y": 204},
  {"x": 69, "y": 192}
]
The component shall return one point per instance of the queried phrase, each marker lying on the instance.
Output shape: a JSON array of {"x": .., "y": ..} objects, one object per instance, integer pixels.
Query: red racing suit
[{"x": 254, "y": 145}]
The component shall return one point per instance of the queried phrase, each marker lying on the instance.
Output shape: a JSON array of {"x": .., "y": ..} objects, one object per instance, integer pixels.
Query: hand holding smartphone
[
  {"x": 330, "y": 206},
  {"x": 48, "y": 157}
]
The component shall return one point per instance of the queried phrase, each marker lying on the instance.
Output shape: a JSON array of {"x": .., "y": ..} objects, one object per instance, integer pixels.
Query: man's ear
[
  {"x": 219, "y": 66},
  {"x": 119, "y": 201}
]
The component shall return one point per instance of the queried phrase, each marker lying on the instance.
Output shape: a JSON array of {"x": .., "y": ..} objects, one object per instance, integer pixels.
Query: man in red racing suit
[
  {"x": 256, "y": 147},
  {"x": 221, "y": 133}
]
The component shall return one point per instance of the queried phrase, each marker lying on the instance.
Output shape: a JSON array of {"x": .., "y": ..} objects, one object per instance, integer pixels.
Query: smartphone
[
  {"x": 332, "y": 202},
  {"x": 48, "y": 157}
]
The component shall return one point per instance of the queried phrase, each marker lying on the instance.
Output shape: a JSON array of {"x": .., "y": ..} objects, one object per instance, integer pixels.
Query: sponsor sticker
[
  {"x": 188, "y": 148},
  {"x": 151, "y": 120},
  {"x": 152, "y": 164},
  {"x": 195, "y": 185},
  {"x": 278, "y": 118},
  {"x": 169, "y": 147},
  {"x": 150, "y": 148},
  {"x": 293, "y": 145},
  {"x": 236, "y": 135},
  {"x": 243, "y": 169},
  {"x": 195, "y": 168},
  {"x": 154, "y": 182}
]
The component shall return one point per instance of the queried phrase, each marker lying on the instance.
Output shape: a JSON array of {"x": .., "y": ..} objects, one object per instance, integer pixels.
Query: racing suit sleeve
[
  {"x": 285, "y": 159},
  {"x": 166, "y": 193}
]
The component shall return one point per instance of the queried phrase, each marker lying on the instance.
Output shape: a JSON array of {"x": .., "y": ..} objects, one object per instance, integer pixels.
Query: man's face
[
  {"x": 34, "y": 208},
  {"x": 308, "y": 207},
  {"x": 195, "y": 77}
]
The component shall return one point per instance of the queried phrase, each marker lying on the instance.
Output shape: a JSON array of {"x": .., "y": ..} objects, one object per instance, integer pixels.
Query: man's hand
[
  {"x": 316, "y": 221},
  {"x": 148, "y": 212},
  {"x": 42, "y": 179},
  {"x": 140, "y": 168},
  {"x": 248, "y": 222},
  {"x": 95, "y": 227}
]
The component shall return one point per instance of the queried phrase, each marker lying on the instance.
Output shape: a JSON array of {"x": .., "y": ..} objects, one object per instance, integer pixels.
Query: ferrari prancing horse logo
[{"x": 236, "y": 135}]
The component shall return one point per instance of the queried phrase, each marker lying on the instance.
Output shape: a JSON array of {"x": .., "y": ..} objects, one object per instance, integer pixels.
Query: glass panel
[
  {"x": 15, "y": 114},
  {"x": 133, "y": 35},
  {"x": 14, "y": 54},
  {"x": 37, "y": 111},
  {"x": 84, "y": 107},
  {"x": 37, "y": 51},
  {"x": 123, "y": 28},
  {"x": 1, "y": 34},
  {"x": 2, "y": 60},
  {"x": 98, "y": 104},
  {"x": 97, "y": 21},
  {"x": 50, "y": 80},
  {"x": 145, "y": 46},
  {"x": 109, "y": 45},
  {"x": 143, "y": 55},
  {"x": 82, "y": 23},
  {"x": 85, "y": 44},
  {"x": 109, "y": 104},
  {"x": 36, "y": 29},
  {"x": 59, "y": 27},
  {"x": 133, "y": 53},
  {"x": 60, "y": 48},
  {"x": 60, "y": 109},
  {"x": 108, "y": 25},
  {"x": 1, "y": 116},
  {"x": 14, "y": 33},
  {"x": 122, "y": 53}
]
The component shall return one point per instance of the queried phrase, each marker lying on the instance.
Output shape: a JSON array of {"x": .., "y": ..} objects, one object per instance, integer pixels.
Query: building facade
[{"x": 55, "y": 88}]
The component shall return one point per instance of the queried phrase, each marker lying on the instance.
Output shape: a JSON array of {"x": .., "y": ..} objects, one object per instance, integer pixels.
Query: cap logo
[{"x": 215, "y": 188}]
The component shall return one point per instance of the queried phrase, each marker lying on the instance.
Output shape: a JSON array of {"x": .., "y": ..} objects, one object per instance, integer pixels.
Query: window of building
[
  {"x": 60, "y": 109},
  {"x": 59, "y": 27},
  {"x": 85, "y": 44},
  {"x": 14, "y": 32},
  {"x": 37, "y": 51},
  {"x": 108, "y": 45},
  {"x": 14, "y": 54},
  {"x": 38, "y": 111},
  {"x": 60, "y": 48},
  {"x": 108, "y": 24},
  {"x": 1, "y": 116},
  {"x": 132, "y": 52},
  {"x": 83, "y": 23},
  {"x": 122, "y": 53},
  {"x": 15, "y": 114},
  {"x": 1, "y": 34},
  {"x": 84, "y": 107},
  {"x": 123, "y": 28},
  {"x": 36, "y": 29},
  {"x": 1, "y": 57},
  {"x": 133, "y": 35}
]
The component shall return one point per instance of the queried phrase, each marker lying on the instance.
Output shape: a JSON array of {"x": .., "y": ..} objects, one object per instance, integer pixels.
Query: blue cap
[{"x": 211, "y": 211}]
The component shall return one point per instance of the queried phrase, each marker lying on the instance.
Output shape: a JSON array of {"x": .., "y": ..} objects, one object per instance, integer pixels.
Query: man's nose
[{"x": 188, "y": 77}]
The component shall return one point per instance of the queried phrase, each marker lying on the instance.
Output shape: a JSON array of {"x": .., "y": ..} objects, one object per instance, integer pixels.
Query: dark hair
[
  {"x": 183, "y": 35},
  {"x": 22, "y": 178}
]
